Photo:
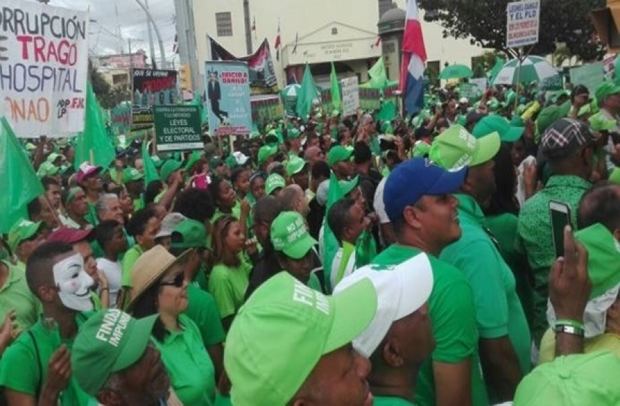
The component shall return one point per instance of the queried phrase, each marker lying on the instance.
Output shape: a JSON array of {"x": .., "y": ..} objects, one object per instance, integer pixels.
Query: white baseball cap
[
  {"x": 401, "y": 290},
  {"x": 169, "y": 223}
]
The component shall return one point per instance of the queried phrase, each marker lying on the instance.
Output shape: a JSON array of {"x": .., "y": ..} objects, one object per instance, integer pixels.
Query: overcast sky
[{"x": 128, "y": 17}]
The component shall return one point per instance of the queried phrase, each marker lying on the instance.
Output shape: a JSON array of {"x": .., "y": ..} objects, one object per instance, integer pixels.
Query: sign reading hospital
[
  {"x": 228, "y": 97},
  {"x": 43, "y": 67},
  {"x": 522, "y": 23}
]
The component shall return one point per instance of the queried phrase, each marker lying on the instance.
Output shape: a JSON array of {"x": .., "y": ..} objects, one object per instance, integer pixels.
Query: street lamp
[{"x": 161, "y": 44}]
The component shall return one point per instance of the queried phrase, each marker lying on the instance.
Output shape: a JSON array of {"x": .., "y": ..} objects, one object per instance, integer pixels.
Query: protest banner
[
  {"x": 43, "y": 67},
  {"x": 469, "y": 90},
  {"x": 480, "y": 83},
  {"x": 350, "y": 96},
  {"x": 590, "y": 75},
  {"x": 151, "y": 87},
  {"x": 522, "y": 23},
  {"x": 228, "y": 98},
  {"x": 177, "y": 128},
  {"x": 260, "y": 66}
]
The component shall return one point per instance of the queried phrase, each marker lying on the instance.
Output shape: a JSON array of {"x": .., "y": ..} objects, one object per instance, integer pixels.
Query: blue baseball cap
[{"x": 415, "y": 178}]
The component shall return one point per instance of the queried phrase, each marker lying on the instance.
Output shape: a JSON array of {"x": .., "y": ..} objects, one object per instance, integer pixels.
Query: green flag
[
  {"x": 94, "y": 142},
  {"x": 378, "y": 76},
  {"x": 150, "y": 171},
  {"x": 306, "y": 95},
  {"x": 19, "y": 181},
  {"x": 336, "y": 99},
  {"x": 330, "y": 242}
]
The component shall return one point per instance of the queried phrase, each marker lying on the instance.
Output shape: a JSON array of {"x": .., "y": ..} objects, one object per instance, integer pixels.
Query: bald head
[
  {"x": 601, "y": 204},
  {"x": 293, "y": 198}
]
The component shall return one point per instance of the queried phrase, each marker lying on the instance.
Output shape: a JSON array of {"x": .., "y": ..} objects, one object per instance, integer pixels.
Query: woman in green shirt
[
  {"x": 176, "y": 336},
  {"x": 230, "y": 274}
]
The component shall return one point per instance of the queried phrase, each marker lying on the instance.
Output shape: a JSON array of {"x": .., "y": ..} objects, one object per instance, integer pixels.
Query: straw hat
[{"x": 150, "y": 267}]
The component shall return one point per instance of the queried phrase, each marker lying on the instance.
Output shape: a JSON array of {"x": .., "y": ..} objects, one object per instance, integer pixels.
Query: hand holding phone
[{"x": 560, "y": 218}]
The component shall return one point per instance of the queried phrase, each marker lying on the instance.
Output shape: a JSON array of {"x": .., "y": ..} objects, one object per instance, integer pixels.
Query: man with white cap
[{"x": 399, "y": 337}]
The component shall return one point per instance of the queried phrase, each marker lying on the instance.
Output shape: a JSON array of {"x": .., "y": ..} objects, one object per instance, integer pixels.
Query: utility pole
[
  {"x": 248, "y": 26},
  {"x": 161, "y": 43},
  {"x": 186, "y": 38},
  {"x": 151, "y": 45}
]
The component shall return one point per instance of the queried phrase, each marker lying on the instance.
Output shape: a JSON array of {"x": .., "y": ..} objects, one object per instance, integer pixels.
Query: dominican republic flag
[
  {"x": 278, "y": 43},
  {"x": 414, "y": 57}
]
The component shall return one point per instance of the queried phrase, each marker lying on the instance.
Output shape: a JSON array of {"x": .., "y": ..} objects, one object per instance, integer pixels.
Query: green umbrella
[
  {"x": 456, "y": 72},
  {"x": 531, "y": 69}
]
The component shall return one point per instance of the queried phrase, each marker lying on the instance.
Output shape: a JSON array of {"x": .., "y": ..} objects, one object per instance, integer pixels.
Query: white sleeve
[{"x": 378, "y": 204}]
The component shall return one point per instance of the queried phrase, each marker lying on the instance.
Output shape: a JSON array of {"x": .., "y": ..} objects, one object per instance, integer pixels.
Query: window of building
[{"x": 223, "y": 23}]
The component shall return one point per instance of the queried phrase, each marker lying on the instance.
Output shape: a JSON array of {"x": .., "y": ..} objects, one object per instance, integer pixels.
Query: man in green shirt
[
  {"x": 37, "y": 366},
  {"x": 294, "y": 248},
  {"x": 24, "y": 237},
  {"x": 290, "y": 344},
  {"x": 568, "y": 147},
  {"x": 504, "y": 334},
  {"x": 16, "y": 297},
  {"x": 113, "y": 360},
  {"x": 399, "y": 338},
  {"x": 423, "y": 214},
  {"x": 89, "y": 179}
]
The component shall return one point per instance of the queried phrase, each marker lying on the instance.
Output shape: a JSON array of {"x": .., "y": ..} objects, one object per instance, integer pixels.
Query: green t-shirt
[
  {"x": 201, "y": 308},
  {"x": 23, "y": 367},
  {"x": 451, "y": 309},
  {"x": 15, "y": 295},
  {"x": 536, "y": 241},
  {"x": 130, "y": 258},
  {"x": 390, "y": 401},
  {"x": 498, "y": 308},
  {"x": 91, "y": 215},
  {"x": 228, "y": 285},
  {"x": 504, "y": 228},
  {"x": 315, "y": 283},
  {"x": 188, "y": 364}
]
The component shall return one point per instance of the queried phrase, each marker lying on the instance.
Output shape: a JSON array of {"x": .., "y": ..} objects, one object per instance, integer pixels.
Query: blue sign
[{"x": 227, "y": 85}]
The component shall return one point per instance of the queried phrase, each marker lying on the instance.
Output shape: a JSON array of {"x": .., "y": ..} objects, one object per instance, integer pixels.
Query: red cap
[{"x": 69, "y": 235}]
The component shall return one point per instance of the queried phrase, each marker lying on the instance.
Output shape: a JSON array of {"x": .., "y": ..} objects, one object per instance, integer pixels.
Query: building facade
[{"x": 316, "y": 32}]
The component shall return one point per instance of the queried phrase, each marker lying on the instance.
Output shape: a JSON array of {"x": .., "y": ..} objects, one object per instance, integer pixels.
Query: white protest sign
[
  {"x": 43, "y": 67},
  {"x": 480, "y": 83},
  {"x": 522, "y": 23},
  {"x": 350, "y": 96}
]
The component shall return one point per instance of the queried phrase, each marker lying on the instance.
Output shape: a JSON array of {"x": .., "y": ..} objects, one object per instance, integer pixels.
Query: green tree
[
  {"x": 566, "y": 21},
  {"x": 107, "y": 95}
]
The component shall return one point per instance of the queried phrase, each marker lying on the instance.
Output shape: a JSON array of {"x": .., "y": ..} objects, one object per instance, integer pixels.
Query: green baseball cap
[
  {"x": 168, "y": 168},
  {"x": 420, "y": 149},
  {"x": 132, "y": 175},
  {"x": 231, "y": 162},
  {"x": 605, "y": 90},
  {"x": 283, "y": 330},
  {"x": 603, "y": 257},
  {"x": 599, "y": 122},
  {"x": 294, "y": 165},
  {"x": 550, "y": 115},
  {"x": 293, "y": 133},
  {"x": 108, "y": 342},
  {"x": 47, "y": 169},
  {"x": 456, "y": 147},
  {"x": 21, "y": 231},
  {"x": 337, "y": 154},
  {"x": 189, "y": 234},
  {"x": 273, "y": 182},
  {"x": 265, "y": 152},
  {"x": 289, "y": 234},
  {"x": 579, "y": 379},
  {"x": 614, "y": 176},
  {"x": 494, "y": 123}
]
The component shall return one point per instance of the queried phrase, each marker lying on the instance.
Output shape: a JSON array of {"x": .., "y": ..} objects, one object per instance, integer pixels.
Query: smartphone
[{"x": 560, "y": 217}]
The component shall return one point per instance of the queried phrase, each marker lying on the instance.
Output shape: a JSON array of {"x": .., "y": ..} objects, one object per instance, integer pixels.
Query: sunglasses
[{"x": 177, "y": 282}]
